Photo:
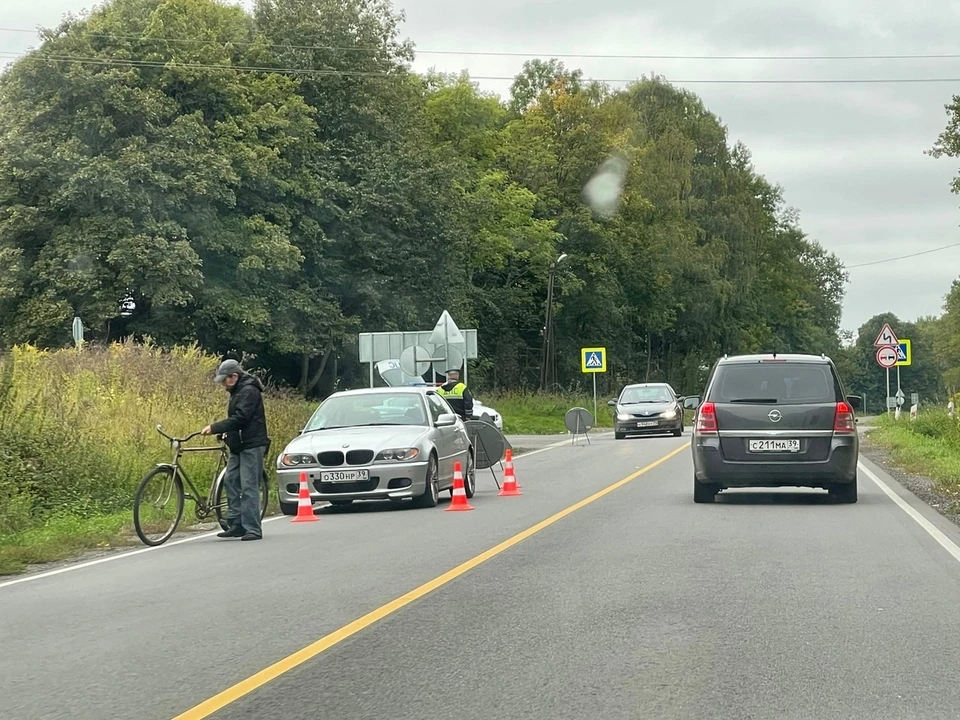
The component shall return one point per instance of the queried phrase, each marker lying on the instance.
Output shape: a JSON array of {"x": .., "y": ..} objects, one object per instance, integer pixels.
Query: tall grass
[
  {"x": 77, "y": 433},
  {"x": 929, "y": 445}
]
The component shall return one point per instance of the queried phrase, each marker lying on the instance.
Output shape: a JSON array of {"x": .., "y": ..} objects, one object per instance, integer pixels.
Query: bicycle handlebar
[{"x": 178, "y": 440}]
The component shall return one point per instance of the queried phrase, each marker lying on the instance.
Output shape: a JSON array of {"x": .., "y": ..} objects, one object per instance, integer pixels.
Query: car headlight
[
  {"x": 622, "y": 416},
  {"x": 669, "y": 415},
  {"x": 296, "y": 460},
  {"x": 398, "y": 454}
]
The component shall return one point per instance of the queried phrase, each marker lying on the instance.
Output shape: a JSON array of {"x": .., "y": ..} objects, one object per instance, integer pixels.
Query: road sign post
[
  {"x": 888, "y": 355},
  {"x": 593, "y": 361}
]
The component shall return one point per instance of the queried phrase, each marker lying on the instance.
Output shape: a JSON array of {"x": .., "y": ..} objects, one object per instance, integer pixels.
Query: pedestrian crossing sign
[{"x": 593, "y": 360}]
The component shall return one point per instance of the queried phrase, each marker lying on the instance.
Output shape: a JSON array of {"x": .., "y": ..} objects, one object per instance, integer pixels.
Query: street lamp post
[{"x": 548, "y": 361}]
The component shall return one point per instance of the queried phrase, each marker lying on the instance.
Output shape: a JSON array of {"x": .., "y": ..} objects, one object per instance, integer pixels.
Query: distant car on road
[
  {"x": 645, "y": 409},
  {"x": 394, "y": 443},
  {"x": 775, "y": 421}
]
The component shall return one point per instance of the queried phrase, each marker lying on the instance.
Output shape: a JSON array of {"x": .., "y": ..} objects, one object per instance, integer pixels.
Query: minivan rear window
[{"x": 781, "y": 383}]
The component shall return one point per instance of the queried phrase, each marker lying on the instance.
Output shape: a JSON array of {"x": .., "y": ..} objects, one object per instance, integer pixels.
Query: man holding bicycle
[{"x": 245, "y": 434}]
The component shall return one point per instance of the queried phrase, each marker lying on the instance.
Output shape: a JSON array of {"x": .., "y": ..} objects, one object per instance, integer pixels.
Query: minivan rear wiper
[{"x": 759, "y": 401}]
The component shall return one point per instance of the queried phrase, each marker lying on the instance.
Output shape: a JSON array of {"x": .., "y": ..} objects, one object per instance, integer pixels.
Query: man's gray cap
[{"x": 227, "y": 367}]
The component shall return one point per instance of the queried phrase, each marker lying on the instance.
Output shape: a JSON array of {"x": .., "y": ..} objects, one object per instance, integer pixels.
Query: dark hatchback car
[
  {"x": 647, "y": 408},
  {"x": 775, "y": 421}
]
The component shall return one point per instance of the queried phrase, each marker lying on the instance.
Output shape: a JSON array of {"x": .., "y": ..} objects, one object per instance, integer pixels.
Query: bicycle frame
[{"x": 204, "y": 505}]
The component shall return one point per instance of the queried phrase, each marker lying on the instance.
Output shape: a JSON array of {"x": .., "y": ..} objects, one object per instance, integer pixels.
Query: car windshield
[
  {"x": 650, "y": 394},
  {"x": 781, "y": 383},
  {"x": 368, "y": 409}
]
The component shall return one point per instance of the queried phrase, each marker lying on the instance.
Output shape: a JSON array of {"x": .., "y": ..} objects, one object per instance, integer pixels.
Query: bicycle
[{"x": 172, "y": 477}]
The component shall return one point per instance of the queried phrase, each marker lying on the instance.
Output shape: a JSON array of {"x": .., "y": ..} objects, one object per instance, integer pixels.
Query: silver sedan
[{"x": 395, "y": 443}]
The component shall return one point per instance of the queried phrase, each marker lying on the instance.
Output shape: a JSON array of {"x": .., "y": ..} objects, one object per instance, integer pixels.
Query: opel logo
[{"x": 774, "y": 415}]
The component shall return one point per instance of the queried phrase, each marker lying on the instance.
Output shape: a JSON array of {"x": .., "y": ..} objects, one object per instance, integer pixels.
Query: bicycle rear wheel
[
  {"x": 220, "y": 499},
  {"x": 158, "y": 506}
]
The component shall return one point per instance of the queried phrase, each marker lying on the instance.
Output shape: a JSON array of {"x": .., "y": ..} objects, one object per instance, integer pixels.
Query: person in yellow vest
[{"x": 457, "y": 395}]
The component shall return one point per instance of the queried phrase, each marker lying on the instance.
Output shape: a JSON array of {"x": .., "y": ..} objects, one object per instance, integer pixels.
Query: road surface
[{"x": 607, "y": 593}]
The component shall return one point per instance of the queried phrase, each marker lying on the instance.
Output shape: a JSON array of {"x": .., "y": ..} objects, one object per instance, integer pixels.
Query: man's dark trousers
[{"x": 242, "y": 485}]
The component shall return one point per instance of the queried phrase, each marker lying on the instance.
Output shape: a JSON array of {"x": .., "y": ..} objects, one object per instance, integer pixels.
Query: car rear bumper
[
  {"x": 840, "y": 466},
  {"x": 399, "y": 480}
]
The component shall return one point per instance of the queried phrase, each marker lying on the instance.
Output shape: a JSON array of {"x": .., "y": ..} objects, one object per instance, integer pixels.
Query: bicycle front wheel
[
  {"x": 158, "y": 506},
  {"x": 220, "y": 499}
]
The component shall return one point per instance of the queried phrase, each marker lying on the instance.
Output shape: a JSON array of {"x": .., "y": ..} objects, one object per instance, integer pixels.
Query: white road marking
[
  {"x": 212, "y": 533},
  {"x": 559, "y": 443},
  {"x": 118, "y": 556},
  {"x": 931, "y": 529}
]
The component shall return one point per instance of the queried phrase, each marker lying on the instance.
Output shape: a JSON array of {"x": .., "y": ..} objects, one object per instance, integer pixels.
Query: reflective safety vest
[{"x": 454, "y": 393}]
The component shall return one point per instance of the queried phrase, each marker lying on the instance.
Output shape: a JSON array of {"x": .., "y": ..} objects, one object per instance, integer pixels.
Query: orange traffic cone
[
  {"x": 304, "y": 504},
  {"x": 508, "y": 463},
  {"x": 510, "y": 486},
  {"x": 459, "y": 501}
]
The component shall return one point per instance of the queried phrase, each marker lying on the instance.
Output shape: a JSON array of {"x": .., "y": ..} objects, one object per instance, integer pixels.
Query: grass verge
[{"x": 928, "y": 446}]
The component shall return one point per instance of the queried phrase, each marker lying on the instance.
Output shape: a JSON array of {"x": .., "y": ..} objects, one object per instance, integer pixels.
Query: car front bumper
[
  {"x": 386, "y": 481},
  {"x": 638, "y": 426},
  {"x": 839, "y": 466}
]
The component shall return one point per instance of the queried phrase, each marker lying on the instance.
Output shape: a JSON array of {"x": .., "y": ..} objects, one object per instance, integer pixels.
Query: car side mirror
[
  {"x": 856, "y": 402},
  {"x": 612, "y": 403},
  {"x": 691, "y": 403},
  {"x": 446, "y": 420}
]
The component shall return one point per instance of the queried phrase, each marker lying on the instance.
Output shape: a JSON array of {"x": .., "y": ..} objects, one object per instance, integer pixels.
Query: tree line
[{"x": 274, "y": 182}]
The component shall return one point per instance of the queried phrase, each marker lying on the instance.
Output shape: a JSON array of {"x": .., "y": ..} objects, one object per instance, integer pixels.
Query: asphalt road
[{"x": 637, "y": 604}]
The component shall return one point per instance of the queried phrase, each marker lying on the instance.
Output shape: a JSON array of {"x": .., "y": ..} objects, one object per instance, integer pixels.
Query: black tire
[
  {"x": 845, "y": 493},
  {"x": 219, "y": 507},
  {"x": 288, "y": 508},
  {"x": 178, "y": 500},
  {"x": 703, "y": 493},
  {"x": 431, "y": 494},
  {"x": 469, "y": 478},
  {"x": 619, "y": 435},
  {"x": 678, "y": 432}
]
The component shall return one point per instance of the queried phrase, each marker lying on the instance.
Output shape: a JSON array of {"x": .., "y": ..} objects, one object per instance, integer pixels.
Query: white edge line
[
  {"x": 117, "y": 556},
  {"x": 931, "y": 529},
  {"x": 559, "y": 443},
  {"x": 122, "y": 555}
]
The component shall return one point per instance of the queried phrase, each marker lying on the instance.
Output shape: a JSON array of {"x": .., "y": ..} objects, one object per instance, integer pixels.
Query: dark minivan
[{"x": 775, "y": 421}]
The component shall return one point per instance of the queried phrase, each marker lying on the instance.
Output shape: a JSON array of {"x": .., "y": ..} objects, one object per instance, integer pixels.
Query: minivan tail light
[
  {"x": 707, "y": 419},
  {"x": 843, "y": 420}
]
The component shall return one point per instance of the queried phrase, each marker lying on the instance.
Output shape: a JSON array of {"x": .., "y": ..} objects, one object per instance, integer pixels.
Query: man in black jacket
[{"x": 245, "y": 433}]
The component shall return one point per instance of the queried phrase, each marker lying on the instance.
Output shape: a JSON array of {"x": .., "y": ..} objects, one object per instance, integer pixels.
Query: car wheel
[
  {"x": 619, "y": 436},
  {"x": 469, "y": 478},
  {"x": 845, "y": 493},
  {"x": 678, "y": 432},
  {"x": 703, "y": 493},
  {"x": 431, "y": 494},
  {"x": 288, "y": 508}
]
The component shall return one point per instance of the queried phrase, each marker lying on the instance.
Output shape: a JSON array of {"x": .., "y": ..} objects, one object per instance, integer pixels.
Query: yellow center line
[{"x": 244, "y": 687}]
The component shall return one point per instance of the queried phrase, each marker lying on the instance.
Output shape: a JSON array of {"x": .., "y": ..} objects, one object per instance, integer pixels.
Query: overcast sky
[{"x": 850, "y": 157}]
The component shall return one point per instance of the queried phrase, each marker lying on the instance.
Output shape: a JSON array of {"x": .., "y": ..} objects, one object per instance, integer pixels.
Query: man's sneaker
[
  {"x": 232, "y": 533},
  {"x": 251, "y": 536}
]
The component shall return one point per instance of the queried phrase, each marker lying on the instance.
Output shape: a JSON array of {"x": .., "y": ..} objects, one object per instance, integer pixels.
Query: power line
[
  {"x": 904, "y": 257},
  {"x": 38, "y": 55},
  {"x": 504, "y": 53}
]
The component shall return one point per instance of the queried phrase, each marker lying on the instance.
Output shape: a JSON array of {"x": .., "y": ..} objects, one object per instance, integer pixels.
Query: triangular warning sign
[
  {"x": 886, "y": 337},
  {"x": 593, "y": 360}
]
